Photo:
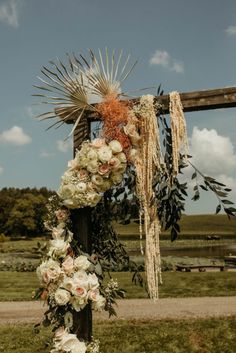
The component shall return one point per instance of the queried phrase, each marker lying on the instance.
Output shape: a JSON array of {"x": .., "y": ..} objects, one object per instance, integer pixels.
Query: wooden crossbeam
[
  {"x": 191, "y": 101},
  {"x": 203, "y": 100}
]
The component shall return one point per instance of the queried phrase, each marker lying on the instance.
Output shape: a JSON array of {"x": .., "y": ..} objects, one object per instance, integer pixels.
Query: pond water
[{"x": 210, "y": 251}]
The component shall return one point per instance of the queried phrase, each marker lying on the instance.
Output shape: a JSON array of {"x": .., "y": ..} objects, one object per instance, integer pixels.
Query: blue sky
[{"x": 184, "y": 45}]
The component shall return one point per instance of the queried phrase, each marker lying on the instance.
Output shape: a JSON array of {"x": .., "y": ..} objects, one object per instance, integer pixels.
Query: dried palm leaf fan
[{"x": 80, "y": 84}]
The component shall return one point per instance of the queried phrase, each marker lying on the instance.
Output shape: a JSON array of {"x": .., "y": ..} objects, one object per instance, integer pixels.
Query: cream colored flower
[
  {"x": 58, "y": 233},
  {"x": 71, "y": 344},
  {"x": 99, "y": 303},
  {"x": 122, "y": 157},
  {"x": 73, "y": 164},
  {"x": 78, "y": 303},
  {"x": 68, "y": 265},
  {"x": 92, "y": 281},
  {"x": 92, "y": 154},
  {"x": 68, "y": 319},
  {"x": 115, "y": 146},
  {"x": 131, "y": 131},
  {"x": 82, "y": 263},
  {"x": 81, "y": 187},
  {"x": 97, "y": 179},
  {"x": 104, "y": 154},
  {"x": 104, "y": 169},
  {"x": 97, "y": 143},
  {"x": 82, "y": 175},
  {"x": 92, "y": 199},
  {"x": 48, "y": 271},
  {"x": 58, "y": 248},
  {"x": 62, "y": 296},
  {"x": 92, "y": 166},
  {"x": 80, "y": 279},
  {"x": 60, "y": 332},
  {"x": 114, "y": 162},
  {"x": 62, "y": 215}
]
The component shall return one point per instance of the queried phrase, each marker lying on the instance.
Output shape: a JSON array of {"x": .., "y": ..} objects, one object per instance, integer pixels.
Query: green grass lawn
[
  {"x": 20, "y": 285},
  {"x": 185, "y": 336}
]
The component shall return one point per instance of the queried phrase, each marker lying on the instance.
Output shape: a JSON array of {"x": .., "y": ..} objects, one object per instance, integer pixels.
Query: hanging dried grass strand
[
  {"x": 178, "y": 130},
  {"x": 147, "y": 162}
]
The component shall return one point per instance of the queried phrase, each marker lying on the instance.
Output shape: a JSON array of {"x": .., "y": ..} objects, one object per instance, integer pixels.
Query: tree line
[{"x": 22, "y": 211}]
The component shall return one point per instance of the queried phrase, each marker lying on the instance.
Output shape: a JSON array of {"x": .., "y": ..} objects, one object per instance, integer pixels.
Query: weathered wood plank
[
  {"x": 192, "y": 101},
  {"x": 203, "y": 100}
]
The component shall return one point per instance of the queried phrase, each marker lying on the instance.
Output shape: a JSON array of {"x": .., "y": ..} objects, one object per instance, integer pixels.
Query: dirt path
[{"x": 170, "y": 308}]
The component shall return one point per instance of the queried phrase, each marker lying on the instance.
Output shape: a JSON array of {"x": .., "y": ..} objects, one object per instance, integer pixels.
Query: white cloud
[
  {"x": 45, "y": 154},
  {"x": 231, "y": 30},
  {"x": 9, "y": 12},
  {"x": 212, "y": 153},
  {"x": 64, "y": 146},
  {"x": 15, "y": 136},
  {"x": 163, "y": 58},
  {"x": 1, "y": 169}
]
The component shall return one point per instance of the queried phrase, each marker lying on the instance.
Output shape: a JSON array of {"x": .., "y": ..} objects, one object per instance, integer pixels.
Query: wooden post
[{"x": 81, "y": 221}]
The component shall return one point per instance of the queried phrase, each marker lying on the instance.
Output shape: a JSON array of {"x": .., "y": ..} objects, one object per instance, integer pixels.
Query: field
[
  {"x": 20, "y": 285},
  {"x": 192, "y": 336}
]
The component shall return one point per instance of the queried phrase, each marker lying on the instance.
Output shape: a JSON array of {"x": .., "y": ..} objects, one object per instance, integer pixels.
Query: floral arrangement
[
  {"x": 97, "y": 166},
  {"x": 69, "y": 282},
  {"x": 129, "y": 137}
]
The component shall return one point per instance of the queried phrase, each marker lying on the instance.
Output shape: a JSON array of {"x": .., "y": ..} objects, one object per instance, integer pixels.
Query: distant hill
[
  {"x": 208, "y": 223},
  {"x": 192, "y": 225}
]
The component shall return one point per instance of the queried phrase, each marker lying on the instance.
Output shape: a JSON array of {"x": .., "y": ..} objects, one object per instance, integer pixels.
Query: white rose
[
  {"x": 68, "y": 283},
  {"x": 97, "y": 179},
  {"x": 62, "y": 215},
  {"x": 92, "y": 155},
  {"x": 93, "y": 198},
  {"x": 82, "y": 263},
  {"x": 59, "y": 333},
  {"x": 62, "y": 296},
  {"x": 70, "y": 343},
  {"x": 122, "y": 157},
  {"x": 67, "y": 191},
  {"x": 58, "y": 232},
  {"x": 92, "y": 166},
  {"x": 58, "y": 248},
  {"x": 73, "y": 164},
  {"x": 80, "y": 279},
  {"x": 115, "y": 146},
  {"x": 104, "y": 169},
  {"x": 82, "y": 161},
  {"x": 68, "y": 265},
  {"x": 78, "y": 303},
  {"x": 114, "y": 163},
  {"x": 99, "y": 303},
  {"x": 81, "y": 187},
  {"x": 92, "y": 281},
  {"x": 48, "y": 271},
  {"x": 82, "y": 175},
  {"x": 104, "y": 154}
]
